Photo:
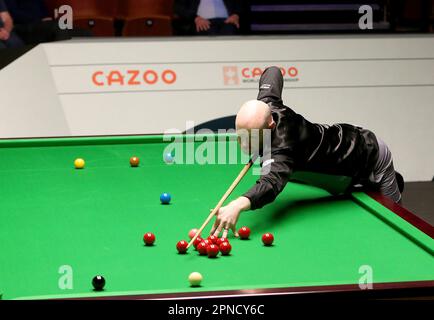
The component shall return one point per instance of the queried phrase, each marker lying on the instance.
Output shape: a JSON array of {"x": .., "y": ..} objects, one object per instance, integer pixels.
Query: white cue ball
[{"x": 195, "y": 279}]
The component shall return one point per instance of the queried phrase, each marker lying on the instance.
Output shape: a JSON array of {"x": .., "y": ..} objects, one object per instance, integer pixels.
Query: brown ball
[{"x": 134, "y": 161}]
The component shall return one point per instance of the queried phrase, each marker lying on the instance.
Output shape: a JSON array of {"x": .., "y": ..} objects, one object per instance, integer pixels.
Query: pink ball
[{"x": 192, "y": 233}]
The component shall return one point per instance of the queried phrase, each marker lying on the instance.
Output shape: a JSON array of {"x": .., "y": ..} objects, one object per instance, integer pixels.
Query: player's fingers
[
  {"x": 218, "y": 230},
  {"x": 217, "y": 213},
  {"x": 214, "y": 227},
  {"x": 225, "y": 232},
  {"x": 234, "y": 230}
]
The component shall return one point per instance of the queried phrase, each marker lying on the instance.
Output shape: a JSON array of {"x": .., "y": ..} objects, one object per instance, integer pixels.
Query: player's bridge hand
[{"x": 226, "y": 219}]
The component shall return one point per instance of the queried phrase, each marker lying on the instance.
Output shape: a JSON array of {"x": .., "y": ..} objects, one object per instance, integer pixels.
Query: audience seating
[
  {"x": 87, "y": 8},
  {"x": 148, "y": 26},
  {"x": 130, "y": 9},
  {"x": 94, "y": 15},
  {"x": 139, "y": 17},
  {"x": 146, "y": 18}
]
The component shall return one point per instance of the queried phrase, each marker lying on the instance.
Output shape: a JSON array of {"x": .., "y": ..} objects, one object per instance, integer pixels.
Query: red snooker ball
[
  {"x": 212, "y": 251},
  {"x": 213, "y": 239},
  {"x": 149, "y": 238},
  {"x": 207, "y": 242},
  {"x": 197, "y": 241},
  {"x": 202, "y": 248},
  {"x": 221, "y": 240},
  {"x": 181, "y": 246},
  {"x": 225, "y": 248},
  {"x": 268, "y": 239},
  {"x": 244, "y": 233}
]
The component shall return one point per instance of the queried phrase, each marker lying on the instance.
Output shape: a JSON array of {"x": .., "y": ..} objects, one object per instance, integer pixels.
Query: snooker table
[{"x": 93, "y": 220}]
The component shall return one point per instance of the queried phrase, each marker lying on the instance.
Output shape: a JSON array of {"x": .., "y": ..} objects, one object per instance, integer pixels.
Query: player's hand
[
  {"x": 226, "y": 220},
  {"x": 233, "y": 19},
  {"x": 202, "y": 24},
  {"x": 4, "y": 34},
  {"x": 227, "y": 217}
]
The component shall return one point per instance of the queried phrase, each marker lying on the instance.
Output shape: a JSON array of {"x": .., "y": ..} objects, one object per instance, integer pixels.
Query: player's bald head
[
  {"x": 254, "y": 114},
  {"x": 253, "y": 120}
]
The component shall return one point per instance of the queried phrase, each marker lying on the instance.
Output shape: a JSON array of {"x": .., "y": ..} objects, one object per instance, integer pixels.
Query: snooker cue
[{"x": 241, "y": 175}]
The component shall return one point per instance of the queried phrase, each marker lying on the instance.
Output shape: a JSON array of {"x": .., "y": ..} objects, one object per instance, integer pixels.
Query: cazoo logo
[
  {"x": 130, "y": 78},
  {"x": 234, "y": 75}
]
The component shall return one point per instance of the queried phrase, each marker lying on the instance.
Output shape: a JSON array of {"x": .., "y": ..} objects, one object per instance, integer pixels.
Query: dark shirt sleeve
[
  {"x": 2, "y": 9},
  {"x": 271, "y": 86},
  {"x": 19, "y": 16},
  {"x": 281, "y": 164},
  {"x": 185, "y": 9},
  {"x": 43, "y": 9},
  {"x": 233, "y": 6},
  {"x": 269, "y": 185},
  {"x": 32, "y": 12}
]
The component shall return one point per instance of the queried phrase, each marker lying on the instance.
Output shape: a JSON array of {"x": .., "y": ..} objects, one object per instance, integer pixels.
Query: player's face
[
  {"x": 244, "y": 140},
  {"x": 250, "y": 141}
]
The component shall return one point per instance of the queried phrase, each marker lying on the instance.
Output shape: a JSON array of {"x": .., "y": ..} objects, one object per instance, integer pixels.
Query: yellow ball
[
  {"x": 195, "y": 279},
  {"x": 79, "y": 163}
]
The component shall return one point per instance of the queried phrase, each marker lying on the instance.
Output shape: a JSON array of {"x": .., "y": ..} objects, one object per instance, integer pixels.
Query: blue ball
[
  {"x": 165, "y": 198},
  {"x": 168, "y": 158}
]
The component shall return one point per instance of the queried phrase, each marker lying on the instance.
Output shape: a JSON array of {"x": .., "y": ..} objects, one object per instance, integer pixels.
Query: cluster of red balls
[{"x": 212, "y": 245}]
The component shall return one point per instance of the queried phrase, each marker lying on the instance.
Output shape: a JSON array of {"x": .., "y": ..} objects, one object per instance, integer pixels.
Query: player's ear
[{"x": 272, "y": 124}]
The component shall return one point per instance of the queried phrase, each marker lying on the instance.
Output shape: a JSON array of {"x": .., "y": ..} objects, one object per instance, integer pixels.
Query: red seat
[
  {"x": 87, "y": 8},
  {"x": 141, "y": 17},
  {"x": 148, "y": 26},
  {"x": 94, "y": 15},
  {"x": 99, "y": 27},
  {"x": 129, "y": 9},
  {"x": 146, "y": 18}
]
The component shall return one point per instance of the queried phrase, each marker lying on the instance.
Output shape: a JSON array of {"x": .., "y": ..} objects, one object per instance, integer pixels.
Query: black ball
[{"x": 98, "y": 283}]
